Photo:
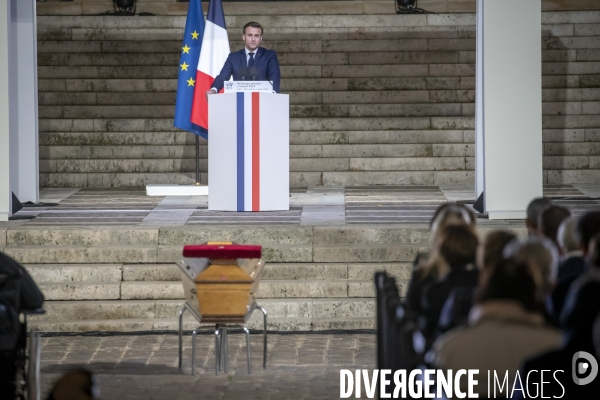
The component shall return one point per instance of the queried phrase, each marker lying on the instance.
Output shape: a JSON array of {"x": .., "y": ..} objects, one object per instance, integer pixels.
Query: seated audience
[
  {"x": 426, "y": 272},
  {"x": 491, "y": 252},
  {"x": 587, "y": 227},
  {"x": 534, "y": 209},
  {"x": 542, "y": 253},
  {"x": 506, "y": 325},
  {"x": 577, "y": 321},
  {"x": 549, "y": 221},
  {"x": 456, "y": 309},
  {"x": 457, "y": 251}
]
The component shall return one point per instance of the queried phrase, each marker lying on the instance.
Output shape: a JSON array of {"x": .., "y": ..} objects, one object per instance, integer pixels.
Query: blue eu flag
[{"x": 188, "y": 63}]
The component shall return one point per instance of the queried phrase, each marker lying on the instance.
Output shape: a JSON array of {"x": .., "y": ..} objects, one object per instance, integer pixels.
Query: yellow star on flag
[
  {"x": 184, "y": 66},
  {"x": 186, "y": 49},
  {"x": 191, "y": 82},
  {"x": 195, "y": 35}
]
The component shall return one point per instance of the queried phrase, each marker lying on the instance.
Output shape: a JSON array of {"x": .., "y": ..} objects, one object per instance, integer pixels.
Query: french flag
[{"x": 213, "y": 54}]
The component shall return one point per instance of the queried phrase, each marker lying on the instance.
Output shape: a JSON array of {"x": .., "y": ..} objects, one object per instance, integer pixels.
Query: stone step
[
  {"x": 352, "y": 86},
  {"x": 297, "y": 179},
  {"x": 67, "y": 274},
  {"x": 296, "y": 137},
  {"x": 311, "y": 97},
  {"x": 304, "y": 164},
  {"x": 296, "y": 111},
  {"x": 296, "y": 124},
  {"x": 171, "y": 7},
  {"x": 121, "y": 153},
  {"x": 96, "y": 236},
  {"x": 151, "y": 72},
  {"x": 271, "y": 33},
  {"x": 171, "y": 324},
  {"x": 83, "y": 273},
  {"x": 281, "y": 46},
  {"x": 143, "y": 309}
]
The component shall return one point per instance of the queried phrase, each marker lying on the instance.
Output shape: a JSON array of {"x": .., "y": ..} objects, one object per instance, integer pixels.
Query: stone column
[
  {"x": 509, "y": 106},
  {"x": 5, "y": 200},
  {"x": 19, "y": 165}
]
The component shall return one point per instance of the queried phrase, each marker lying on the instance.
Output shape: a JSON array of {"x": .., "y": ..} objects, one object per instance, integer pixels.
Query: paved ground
[
  {"x": 323, "y": 205},
  {"x": 300, "y": 366}
]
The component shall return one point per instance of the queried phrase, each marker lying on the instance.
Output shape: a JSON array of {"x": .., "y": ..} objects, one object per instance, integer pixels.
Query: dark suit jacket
[
  {"x": 265, "y": 61},
  {"x": 435, "y": 294},
  {"x": 568, "y": 271}
]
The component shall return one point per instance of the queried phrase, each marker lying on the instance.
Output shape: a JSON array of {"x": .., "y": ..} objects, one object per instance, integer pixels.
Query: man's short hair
[
  {"x": 588, "y": 226},
  {"x": 535, "y": 208},
  {"x": 253, "y": 25},
  {"x": 550, "y": 219}
]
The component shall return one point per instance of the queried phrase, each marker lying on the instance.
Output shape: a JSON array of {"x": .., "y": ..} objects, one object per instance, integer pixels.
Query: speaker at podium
[{"x": 249, "y": 148}]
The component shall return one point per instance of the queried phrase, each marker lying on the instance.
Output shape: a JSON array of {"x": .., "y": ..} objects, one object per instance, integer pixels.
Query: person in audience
[
  {"x": 587, "y": 226},
  {"x": 549, "y": 221},
  {"x": 455, "y": 312},
  {"x": 534, "y": 209},
  {"x": 426, "y": 271},
  {"x": 505, "y": 327},
  {"x": 571, "y": 265},
  {"x": 457, "y": 251},
  {"x": 542, "y": 253},
  {"x": 572, "y": 261},
  {"x": 491, "y": 252},
  {"x": 577, "y": 321}
]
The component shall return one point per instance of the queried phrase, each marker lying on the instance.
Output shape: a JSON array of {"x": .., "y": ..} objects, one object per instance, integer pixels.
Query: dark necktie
[{"x": 251, "y": 60}]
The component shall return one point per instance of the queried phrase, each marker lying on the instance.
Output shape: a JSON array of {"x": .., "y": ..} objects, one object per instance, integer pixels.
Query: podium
[{"x": 248, "y": 152}]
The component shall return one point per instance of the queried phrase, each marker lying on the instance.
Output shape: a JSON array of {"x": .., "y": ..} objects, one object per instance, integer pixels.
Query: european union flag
[{"x": 188, "y": 64}]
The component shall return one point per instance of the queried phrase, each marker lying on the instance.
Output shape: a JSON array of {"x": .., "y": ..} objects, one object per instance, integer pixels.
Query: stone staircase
[
  {"x": 375, "y": 98},
  {"x": 124, "y": 279}
]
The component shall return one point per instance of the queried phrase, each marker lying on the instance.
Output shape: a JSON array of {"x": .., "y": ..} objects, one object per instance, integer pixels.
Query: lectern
[{"x": 248, "y": 151}]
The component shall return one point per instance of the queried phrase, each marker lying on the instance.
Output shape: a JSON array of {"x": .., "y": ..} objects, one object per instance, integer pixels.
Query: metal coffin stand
[
  {"x": 220, "y": 330},
  {"x": 219, "y": 281}
]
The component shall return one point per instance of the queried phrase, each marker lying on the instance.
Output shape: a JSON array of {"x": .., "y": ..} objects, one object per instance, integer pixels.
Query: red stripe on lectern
[{"x": 255, "y": 151}]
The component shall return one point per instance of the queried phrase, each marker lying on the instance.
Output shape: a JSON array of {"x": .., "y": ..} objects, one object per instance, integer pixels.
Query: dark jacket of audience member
[
  {"x": 427, "y": 267},
  {"x": 505, "y": 327},
  {"x": 455, "y": 312},
  {"x": 587, "y": 227},
  {"x": 581, "y": 309},
  {"x": 458, "y": 249}
]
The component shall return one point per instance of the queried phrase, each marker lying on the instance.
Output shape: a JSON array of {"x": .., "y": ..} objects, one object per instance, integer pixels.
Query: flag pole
[{"x": 197, "y": 160}]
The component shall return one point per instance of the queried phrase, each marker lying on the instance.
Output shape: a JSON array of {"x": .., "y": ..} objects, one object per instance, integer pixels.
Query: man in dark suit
[{"x": 250, "y": 63}]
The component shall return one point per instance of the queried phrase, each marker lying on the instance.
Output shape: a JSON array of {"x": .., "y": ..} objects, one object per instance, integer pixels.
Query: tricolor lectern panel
[{"x": 248, "y": 152}]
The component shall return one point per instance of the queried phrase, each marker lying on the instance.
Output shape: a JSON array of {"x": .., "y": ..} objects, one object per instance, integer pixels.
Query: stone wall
[
  {"x": 376, "y": 99},
  {"x": 173, "y": 7}
]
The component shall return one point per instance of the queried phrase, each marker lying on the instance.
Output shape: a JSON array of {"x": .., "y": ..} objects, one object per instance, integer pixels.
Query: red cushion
[{"x": 220, "y": 251}]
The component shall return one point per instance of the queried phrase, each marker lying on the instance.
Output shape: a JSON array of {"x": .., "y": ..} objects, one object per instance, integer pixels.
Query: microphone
[
  {"x": 243, "y": 73},
  {"x": 253, "y": 72}
]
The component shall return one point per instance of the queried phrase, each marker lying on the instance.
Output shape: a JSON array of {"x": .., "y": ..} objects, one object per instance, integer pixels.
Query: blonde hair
[{"x": 454, "y": 244}]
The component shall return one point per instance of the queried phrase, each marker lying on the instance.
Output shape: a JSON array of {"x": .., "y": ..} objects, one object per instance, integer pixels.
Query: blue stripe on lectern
[{"x": 240, "y": 150}]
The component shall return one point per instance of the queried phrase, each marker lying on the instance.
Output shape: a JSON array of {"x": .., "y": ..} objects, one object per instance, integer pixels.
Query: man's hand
[{"x": 211, "y": 91}]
